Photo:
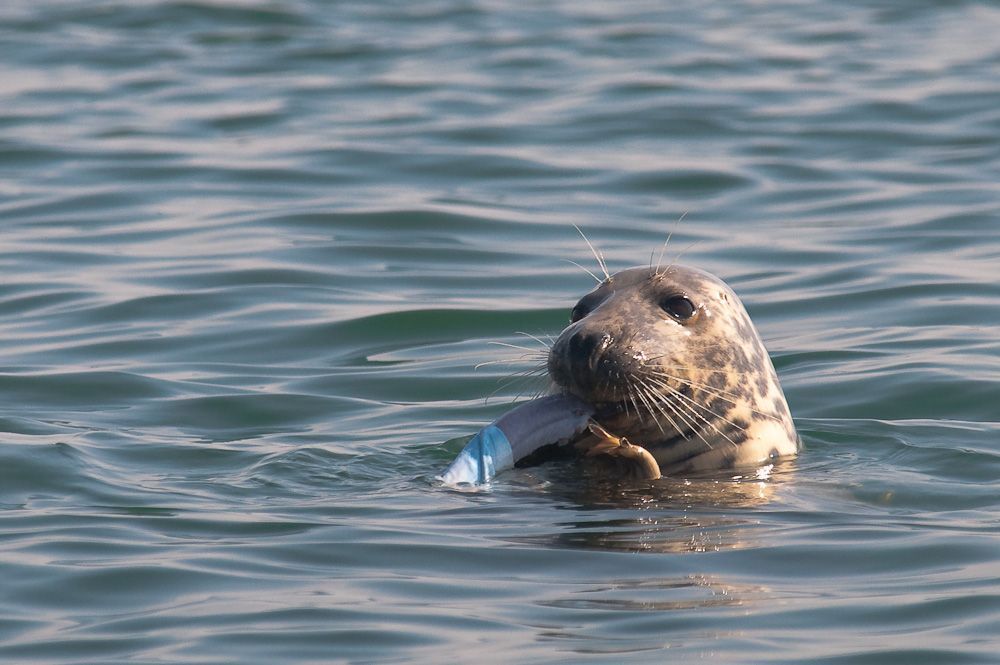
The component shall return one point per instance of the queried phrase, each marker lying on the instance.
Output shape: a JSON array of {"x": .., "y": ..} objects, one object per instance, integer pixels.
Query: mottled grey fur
[{"x": 698, "y": 394}]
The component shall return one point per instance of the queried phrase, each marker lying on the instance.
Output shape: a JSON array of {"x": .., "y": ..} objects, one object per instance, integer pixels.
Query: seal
[{"x": 671, "y": 362}]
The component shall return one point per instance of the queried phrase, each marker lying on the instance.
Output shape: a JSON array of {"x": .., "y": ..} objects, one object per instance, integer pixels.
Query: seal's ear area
[{"x": 588, "y": 304}]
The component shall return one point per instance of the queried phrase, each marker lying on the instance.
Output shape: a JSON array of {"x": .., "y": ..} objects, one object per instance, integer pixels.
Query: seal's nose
[{"x": 586, "y": 347}]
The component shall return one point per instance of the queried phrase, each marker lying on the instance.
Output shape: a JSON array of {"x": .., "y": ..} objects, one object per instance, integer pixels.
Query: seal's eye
[
  {"x": 679, "y": 307},
  {"x": 578, "y": 313}
]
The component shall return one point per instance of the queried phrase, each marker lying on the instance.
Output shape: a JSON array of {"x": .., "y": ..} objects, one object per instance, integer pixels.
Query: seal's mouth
[
  {"x": 613, "y": 394},
  {"x": 640, "y": 413},
  {"x": 604, "y": 410},
  {"x": 613, "y": 381}
]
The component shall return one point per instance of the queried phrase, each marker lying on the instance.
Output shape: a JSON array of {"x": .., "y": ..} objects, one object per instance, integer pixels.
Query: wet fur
[{"x": 699, "y": 394}]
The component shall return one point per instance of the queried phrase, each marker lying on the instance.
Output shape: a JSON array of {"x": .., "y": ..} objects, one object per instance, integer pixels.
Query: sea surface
[{"x": 264, "y": 266}]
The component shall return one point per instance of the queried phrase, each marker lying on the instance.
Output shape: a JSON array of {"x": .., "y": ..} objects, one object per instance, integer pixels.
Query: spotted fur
[{"x": 698, "y": 393}]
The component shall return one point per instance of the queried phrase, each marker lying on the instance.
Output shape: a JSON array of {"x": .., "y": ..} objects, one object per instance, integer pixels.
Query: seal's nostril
[
  {"x": 581, "y": 345},
  {"x": 586, "y": 348}
]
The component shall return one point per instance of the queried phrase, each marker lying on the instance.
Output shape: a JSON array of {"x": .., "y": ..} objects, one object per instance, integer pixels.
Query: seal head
[{"x": 670, "y": 360}]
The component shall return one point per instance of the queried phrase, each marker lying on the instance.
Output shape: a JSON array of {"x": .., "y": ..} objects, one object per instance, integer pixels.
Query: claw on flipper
[{"x": 632, "y": 459}]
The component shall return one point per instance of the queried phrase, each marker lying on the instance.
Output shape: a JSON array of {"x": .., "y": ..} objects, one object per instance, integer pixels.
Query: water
[{"x": 252, "y": 253}]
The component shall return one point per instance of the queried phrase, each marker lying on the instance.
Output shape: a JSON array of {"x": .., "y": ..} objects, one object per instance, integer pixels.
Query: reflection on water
[
  {"x": 252, "y": 253},
  {"x": 661, "y": 594},
  {"x": 641, "y": 607},
  {"x": 702, "y": 513}
]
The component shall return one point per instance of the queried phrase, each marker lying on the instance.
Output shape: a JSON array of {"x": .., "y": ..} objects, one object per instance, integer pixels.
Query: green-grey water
[{"x": 255, "y": 257}]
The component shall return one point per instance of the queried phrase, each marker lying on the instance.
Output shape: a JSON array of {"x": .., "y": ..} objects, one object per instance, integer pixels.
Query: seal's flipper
[{"x": 626, "y": 458}]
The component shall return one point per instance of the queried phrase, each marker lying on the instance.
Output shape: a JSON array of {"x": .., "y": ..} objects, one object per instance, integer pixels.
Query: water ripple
[{"x": 254, "y": 256}]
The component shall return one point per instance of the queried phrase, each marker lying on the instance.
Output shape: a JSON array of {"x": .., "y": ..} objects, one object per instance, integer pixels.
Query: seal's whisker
[
  {"x": 662, "y": 401},
  {"x": 642, "y": 406},
  {"x": 537, "y": 339},
  {"x": 689, "y": 409},
  {"x": 659, "y": 260},
  {"x": 662, "y": 385},
  {"x": 724, "y": 395},
  {"x": 515, "y": 381},
  {"x": 530, "y": 372},
  {"x": 517, "y": 395},
  {"x": 707, "y": 387},
  {"x": 597, "y": 255},
  {"x": 631, "y": 398},
  {"x": 523, "y": 378},
  {"x": 651, "y": 394},
  {"x": 515, "y": 346},
  {"x": 486, "y": 363},
  {"x": 524, "y": 357},
  {"x": 692, "y": 404},
  {"x": 534, "y": 394},
  {"x": 635, "y": 405},
  {"x": 584, "y": 269},
  {"x": 680, "y": 413},
  {"x": 733, "y": 373},
  {"x": 643, "y": 396},
  {"x": 650, "y": 403},
  {"x": 682, "y": 253},
  {"x": 707, "y": 370},
  {"x": 637, "y": 401}
]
